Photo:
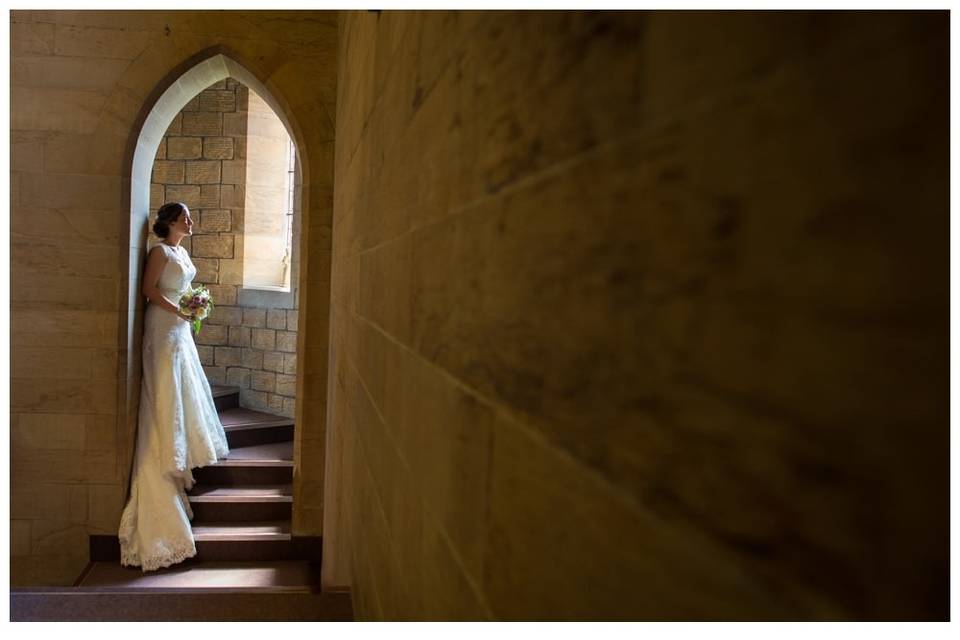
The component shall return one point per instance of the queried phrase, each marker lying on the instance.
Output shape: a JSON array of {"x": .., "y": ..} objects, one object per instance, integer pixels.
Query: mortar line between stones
[
  {"x": 373, "y": 481},
  {"x": 518, "y": 422},
  {"x": 655, "y": 125},
  {"x": 474, "y": 585}
]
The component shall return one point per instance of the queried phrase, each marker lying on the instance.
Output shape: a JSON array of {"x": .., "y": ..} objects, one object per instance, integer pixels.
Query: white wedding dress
[{"x": 179, "y": 430}]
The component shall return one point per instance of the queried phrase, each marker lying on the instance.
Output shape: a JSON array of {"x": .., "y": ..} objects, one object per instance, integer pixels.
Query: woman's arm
[{"x": 156, "y": 261}]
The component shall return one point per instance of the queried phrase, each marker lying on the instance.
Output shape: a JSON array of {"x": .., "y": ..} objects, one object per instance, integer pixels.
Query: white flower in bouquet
[{"x": 196, "y": 303}]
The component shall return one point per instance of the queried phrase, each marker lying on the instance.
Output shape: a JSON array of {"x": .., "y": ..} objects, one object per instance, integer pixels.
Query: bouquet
[{"x": 197, "y": 304}]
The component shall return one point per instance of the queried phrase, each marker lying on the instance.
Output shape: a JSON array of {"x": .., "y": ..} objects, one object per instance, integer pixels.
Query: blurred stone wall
[{"x": 641, "y": 316}]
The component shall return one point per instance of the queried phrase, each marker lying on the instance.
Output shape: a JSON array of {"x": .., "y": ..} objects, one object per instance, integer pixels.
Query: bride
[{"x": 179, "y": 428}]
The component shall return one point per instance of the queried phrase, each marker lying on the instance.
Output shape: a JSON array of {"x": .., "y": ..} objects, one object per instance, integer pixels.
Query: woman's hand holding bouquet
[{"x": 197, "y": 305}]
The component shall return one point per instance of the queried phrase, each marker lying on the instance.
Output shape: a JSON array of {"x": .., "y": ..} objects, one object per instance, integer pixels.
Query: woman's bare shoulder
[{"x": 158, "y": 252}]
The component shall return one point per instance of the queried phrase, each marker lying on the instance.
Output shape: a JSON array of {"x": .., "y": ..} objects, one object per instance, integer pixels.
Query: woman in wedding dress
[{"x": 179, "y": 428}]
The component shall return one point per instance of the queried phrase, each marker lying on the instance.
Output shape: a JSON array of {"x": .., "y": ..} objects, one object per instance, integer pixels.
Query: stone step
[
  {"x": 269, "y": 531},
  {"x": 247, "y": 427},
  {"x": 273, "y": 575},
  {"x": 222, "y": 604},
  {"x": 247, "y": 493},
  {"x": 246, "y": 503},
  {"x": 264, "y": 464},
  {"x": 278, "y": 545},
  {"x": 225, "y": 397}
]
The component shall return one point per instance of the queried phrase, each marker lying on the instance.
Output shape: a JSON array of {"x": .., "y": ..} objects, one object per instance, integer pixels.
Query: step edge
[
  {"x": 220, "y": 390},
  {"x": 253, "y": 426},
  {"x": 151, "y": 590},
  {"x": 242, "y": 537},
  {"x": 265, "y": 499},
  {"x": 252, "y": 462}
]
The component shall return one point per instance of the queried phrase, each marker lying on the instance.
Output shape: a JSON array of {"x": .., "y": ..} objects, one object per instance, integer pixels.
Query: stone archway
[{"x": 165, "y": 102}]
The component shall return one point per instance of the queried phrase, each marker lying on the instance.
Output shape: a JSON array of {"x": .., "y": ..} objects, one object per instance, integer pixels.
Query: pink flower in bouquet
[{"x": 197, "y": 304}]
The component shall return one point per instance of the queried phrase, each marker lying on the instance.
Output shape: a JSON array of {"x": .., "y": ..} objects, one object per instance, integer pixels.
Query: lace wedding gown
[{"x": 179, "y": 430}]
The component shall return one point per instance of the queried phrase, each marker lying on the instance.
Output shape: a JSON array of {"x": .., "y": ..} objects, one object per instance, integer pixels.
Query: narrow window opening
[{"x": 268, "y": 201}]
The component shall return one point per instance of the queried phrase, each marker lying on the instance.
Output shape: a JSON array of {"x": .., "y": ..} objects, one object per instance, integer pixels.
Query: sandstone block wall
[
  {"x": 202, "y": 162},
  {"x": 79, "y": 83},
  {"x": 640, "y": 316}
]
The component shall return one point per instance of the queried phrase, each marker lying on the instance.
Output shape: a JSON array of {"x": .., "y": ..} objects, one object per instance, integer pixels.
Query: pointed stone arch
[{"x": 159, "y": 109}]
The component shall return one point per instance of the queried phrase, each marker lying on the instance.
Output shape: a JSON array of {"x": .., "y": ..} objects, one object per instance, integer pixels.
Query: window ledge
[{"x": 275, "y": 298}]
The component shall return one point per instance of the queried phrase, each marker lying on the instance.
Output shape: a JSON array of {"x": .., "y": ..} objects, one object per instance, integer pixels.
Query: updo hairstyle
[{"x": 166, "y": 216}]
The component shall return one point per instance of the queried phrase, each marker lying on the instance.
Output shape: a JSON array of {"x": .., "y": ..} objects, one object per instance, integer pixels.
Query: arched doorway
[{"x": 181, "y": 86}]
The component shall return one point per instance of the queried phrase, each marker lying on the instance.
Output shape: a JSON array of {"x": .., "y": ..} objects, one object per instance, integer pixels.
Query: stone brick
[
  {"x": 228, "y": 356},
  {"x": 201, "y": 124},
  {"x": 189, "y": 194},
  {"x": 253, "y": 358},
  {"x": 101, "y": 433},
  {"x": 202, "y": 172},
  {"x": 233, "y": 172},
  {"x": 223, "y": 314},
  {"x": 287, "y": 341},
  {"x": 223, "y": 294},
  {"x": 264, "y": 339},
  {"x": 214, "y": 220},
  {"x": 157, "y": 198},
  {"x": 64, "y": 110},
  {"x": 175, "y": 125},
  {"x": 27, "y": 154},
  {"x": 239, "y": 336},
  {"x": 89, "y": 41},
  {"x": 263, "y": 380},
  {"x": 277, "y": 319},
  {"x": 58, "y": 537},
  {"x": 217, "y": 86},
  {"x": 98, "y": 154},
  {"x": 60, "y": 72},
  {"x": 105, "y": 505},
  {"x": 290, "y": 363},
  {"x": 292, "y": 319},
  {"x": 235, "y": 124},
  {"x": 161, "y": 150},
  {"x": 31, "y": 38},
  {"x": 216, "y": 375},
  {"x": 209, "y": 197},
  {"x": 193, "y": 104},
  {"x": 213, "y": 246},
  {"x": 231, "y": 196},
  {"x": 231, "y": 271},
  {"x": 275, "y": 403},
  {"x": 273, "y": 361},
  {"x": 49, "y": 500},
  {"x": 50, "y": 431},
  {"x": 211, "y": 334},
  {"x": 206, "y": 354},
  {"x": 211, "y": 100},
  {"x": 20, "y": 537},
  {"x": 254, "y": 399},
  {"x": 255, "y": 318},
  {"x": 286, "y": 385},
  {"x": 218, "y": 148},
  {"x": 167, "y": 172},
  {"x": 238, "y": 377},
  {"x": 289, "y": 407},
  {"x": 184, "y": 148},
  {"x": 206, "y": 270}
]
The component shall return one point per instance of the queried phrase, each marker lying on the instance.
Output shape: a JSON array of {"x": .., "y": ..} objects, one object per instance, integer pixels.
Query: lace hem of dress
[{"x": 170, "y": 556}]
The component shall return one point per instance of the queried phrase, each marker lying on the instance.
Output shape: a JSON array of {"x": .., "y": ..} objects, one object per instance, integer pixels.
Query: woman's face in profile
[{"x": 184, "y": 223}]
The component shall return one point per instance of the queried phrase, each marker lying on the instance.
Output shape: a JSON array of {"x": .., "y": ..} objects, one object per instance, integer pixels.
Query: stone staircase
[{"x": 248, "y": 566}]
